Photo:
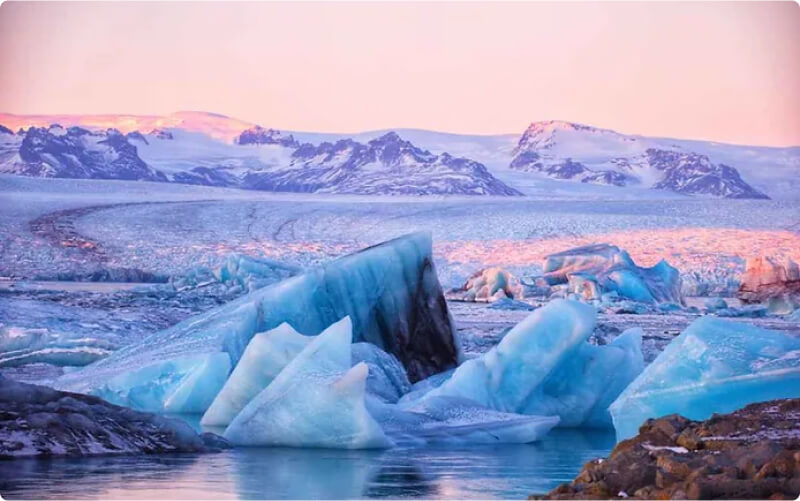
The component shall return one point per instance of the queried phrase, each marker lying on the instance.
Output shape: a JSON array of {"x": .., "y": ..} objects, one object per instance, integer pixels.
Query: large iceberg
[
  {"x": 390, "y": 291},
  {"x": 713, "y": 366},
  {"x": 545, "y": 366},
  {"x": 263, "y": 359},
  {"x": 335, "y": 394},
  {"x": 593, "y": 270},
  {"x": 317, "y": 400}
]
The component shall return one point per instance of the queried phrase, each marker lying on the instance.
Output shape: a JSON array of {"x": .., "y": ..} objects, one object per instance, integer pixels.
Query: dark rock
[{"x": 41, "y": 422}]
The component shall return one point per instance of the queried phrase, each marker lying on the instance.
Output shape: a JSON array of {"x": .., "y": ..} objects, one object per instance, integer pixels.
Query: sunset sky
[{"x": 721, "y": 71}]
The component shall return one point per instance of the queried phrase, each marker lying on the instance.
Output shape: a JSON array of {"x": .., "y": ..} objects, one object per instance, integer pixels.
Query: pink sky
[{"x": 721, "y": 71}]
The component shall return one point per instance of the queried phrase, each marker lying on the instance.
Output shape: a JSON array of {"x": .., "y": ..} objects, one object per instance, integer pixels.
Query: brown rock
[{"x": 737, "y": 464}]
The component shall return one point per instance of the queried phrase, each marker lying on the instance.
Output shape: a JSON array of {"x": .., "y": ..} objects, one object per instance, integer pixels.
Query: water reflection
[{"x": 509, "y": 471}]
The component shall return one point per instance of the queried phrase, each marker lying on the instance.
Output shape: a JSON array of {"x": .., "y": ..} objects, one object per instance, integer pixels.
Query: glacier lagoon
[
  {"x": 479, "y": 472},
  {"x": 440, "y": 472}
]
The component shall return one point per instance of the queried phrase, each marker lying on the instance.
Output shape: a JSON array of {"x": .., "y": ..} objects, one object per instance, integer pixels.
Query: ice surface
[
  {"x": 390, "y": 291},
  {"x": 582, "y": 387},
  {"x": 713, "y": 366},
  {"x": 20, "y": 346},
  {"x": 596, "y": 269},
  {"x": 387, "y": 378},
  {"x": 454, "y": 421},
  {"x": 184, "y": 385},
  {"x": 263, "y": 359},
  {"x": 544, "y": 366},
  {"x": 316, "y": 401}
]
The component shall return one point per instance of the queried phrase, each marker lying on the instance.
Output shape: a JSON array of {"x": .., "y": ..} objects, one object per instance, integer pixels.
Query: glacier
[
  {"x": 390, "y": 291},
  {"x": 713, "y": 366},
  {"x": 592, "y": 270},
  {"x": 545, "y": 366},
  {"x": 317, "y": 400}
]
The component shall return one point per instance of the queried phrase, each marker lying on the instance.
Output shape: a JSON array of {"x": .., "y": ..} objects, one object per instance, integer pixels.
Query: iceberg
[
  {"x": 20, "y": 346},
  {"x": 713, "y": 366},
  {"x": 263, "y": 359},
  {"x": 237, "y": 273},
  {"x": 768, "y": 278},
  {"x": 317, "y": 400},
  {"x": 490, "y": 284},
  {"x": 390, "y": 291},
  {"x": 545, "y": 366},
  {"x": 457, "y": 421},
  {"x": 387, "y": 379},
  {"x": 593, "y": 270},
  {"x": 184, "y": 385}
]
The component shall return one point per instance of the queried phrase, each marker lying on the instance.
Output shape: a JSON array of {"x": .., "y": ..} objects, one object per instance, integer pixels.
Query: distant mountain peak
[{"x": 260, "y": 135}]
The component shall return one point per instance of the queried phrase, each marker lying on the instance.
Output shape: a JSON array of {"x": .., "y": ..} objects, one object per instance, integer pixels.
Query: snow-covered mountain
[
  {"x": 384, "y": 165},
  {"x": 259, "y": 159},
  {"x": 564, "y": 150},
  {"x": 73, "y": 152},
  {"x": 552, "y": 158}
]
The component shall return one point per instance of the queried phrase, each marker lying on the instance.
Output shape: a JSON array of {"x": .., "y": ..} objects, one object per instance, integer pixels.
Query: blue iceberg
[
  {"x": 594, "y": 270},
  {"x": 390, "y": 291},
  {"x": 713, "y": 366},
  {"x": 545, "y": 366},
  {"x": 263, "y": 359},
  {"x": 317, "y": 400}
]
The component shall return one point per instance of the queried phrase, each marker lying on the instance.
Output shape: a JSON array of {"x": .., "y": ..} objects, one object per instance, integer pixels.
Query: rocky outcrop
[
  {"x": 768, "y": 280},
  {"x": 753, "y": 453},
  {"x": 36, "y": 421}
]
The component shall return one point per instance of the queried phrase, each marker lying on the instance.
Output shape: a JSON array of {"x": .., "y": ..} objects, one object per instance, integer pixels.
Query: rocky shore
[
  {"x": 36, "y": 421},
  {"x": 753, "y": 453}
]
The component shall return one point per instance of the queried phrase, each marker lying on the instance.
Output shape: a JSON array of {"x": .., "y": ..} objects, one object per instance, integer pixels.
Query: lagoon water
[{"x": 485, "y": 472}]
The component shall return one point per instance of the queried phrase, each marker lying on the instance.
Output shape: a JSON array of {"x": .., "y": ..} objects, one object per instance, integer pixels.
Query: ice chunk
[
  {"x": 389, "y": 290},
  {"x": 241, "y": 272},
  {"x": 185, "y": 385},
  {"x": 545, "y": 366},
  {"x": 490, "y": 284},
  {"x": 454, "y": 420},
  {"x": 20, "y": 346},
  {"x": 713, "y": 366},
  {"x": 511, "y": 304},
  {"x": 582, "y": 387},
  {"x": 263, "y": 359},
  {"x": 593, "y": 270},
  {"x": 316, "y": 401},
  {"x": 387, "y": 378},
  {"x": 715, "y": 303},
  {"x": 252, "y": 273},
  {"x": 771, "y": 281}
]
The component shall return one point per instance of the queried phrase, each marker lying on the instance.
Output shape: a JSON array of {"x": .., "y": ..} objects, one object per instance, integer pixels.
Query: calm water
[{"x": 509, "y": 472}]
